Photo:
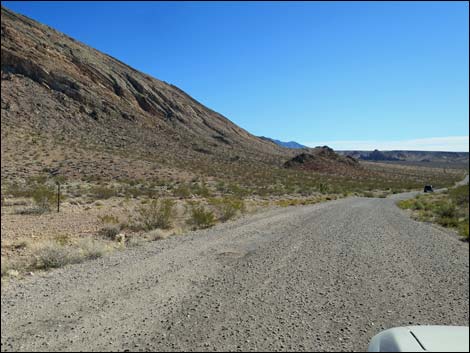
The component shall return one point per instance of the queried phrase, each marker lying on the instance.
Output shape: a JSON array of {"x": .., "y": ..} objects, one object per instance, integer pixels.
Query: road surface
[{"x": 311, "y": 278}]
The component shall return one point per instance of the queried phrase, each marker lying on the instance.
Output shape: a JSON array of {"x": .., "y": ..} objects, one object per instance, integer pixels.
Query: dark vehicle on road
[{"x": 428, "y": 188}]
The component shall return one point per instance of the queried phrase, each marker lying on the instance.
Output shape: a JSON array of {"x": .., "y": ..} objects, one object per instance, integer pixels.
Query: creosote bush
[
  {"x": 156, "y": 214},
  {"x": 228, "y": 207},
  {"x": 200, "y": 217}
]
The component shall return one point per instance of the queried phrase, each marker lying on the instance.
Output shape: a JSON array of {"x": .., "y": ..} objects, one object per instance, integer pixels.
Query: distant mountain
[
  {"x": 409, "y": 156},
  {"x": 290, "y": 144}
]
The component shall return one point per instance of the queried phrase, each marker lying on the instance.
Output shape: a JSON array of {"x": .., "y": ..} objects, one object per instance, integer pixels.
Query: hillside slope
[{"x": 72, "y": 107}]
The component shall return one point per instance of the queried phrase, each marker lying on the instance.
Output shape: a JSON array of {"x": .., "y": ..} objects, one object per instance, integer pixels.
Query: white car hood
[{"x": 422, "y": 339}]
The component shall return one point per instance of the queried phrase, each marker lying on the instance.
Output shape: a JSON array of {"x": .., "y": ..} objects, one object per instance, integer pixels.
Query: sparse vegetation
[
  {"x": 53, "y": 254},
  {"x": 228, "y": 207},
  {"x": 447, "y": 209},
  {"x": 125, "y": 174},
  {"x": 102, "y": 192}
]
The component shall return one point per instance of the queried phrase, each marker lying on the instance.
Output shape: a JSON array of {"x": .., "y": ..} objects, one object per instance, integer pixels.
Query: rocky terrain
[
  {"x": 95, "y": 111},
  {"x": 324, "y": 159},
  {"x": 70, "y": 110}
]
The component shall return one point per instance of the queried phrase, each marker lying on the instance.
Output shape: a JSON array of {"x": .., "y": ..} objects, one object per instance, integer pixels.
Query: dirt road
[{"x": 319, "y": 277}]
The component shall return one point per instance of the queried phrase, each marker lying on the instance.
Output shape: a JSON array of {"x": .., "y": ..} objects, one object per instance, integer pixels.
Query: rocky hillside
[
  {"x": 70, "y": 107},
  {"x": 325, "y": 160}
]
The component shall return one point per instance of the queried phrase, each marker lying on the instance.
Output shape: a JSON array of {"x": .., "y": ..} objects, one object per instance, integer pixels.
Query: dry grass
[{"x": 54, "y": 253}]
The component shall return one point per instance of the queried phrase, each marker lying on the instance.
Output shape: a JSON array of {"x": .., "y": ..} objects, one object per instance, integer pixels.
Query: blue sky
[{"x": 351, "y": 75}]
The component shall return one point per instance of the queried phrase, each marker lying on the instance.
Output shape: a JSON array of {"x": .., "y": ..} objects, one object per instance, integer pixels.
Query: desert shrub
[
  {"x": 62, "y": 239},
  {"x": 238, "y": 191},
  {"x": 460, "y": 195},
  {"x": 182, "y": 191},
  {"x": 4, "y": 267},
  {"x": 200, "y": 217},
  {"x": 406, "y": 204},
  {"x": 108, "y": 219},
  {"x": 448, "y": 221},
  {"x": 156, "y": 214},
  {"x": 44, "y": 197},
  {"x": 110, "y": 231},
  {"x": 53, "y": 255},
  {"x": 91, "y": 249},
  {"x": 157, "y": 234},
  {"x": 287, "y": 203},
  {"x": 418, "y": 205},
  {"x": 133, "y": 242},
  {"x": 323, "y": 188},
  {"x": 200, "y": 189},
  {"x": 102, "y": 192},
  {"x": 136, "y": 191},
  {"x": 463, "y": 229},
  {"x": 37, "y": 179},
  {"x": 446, "y": 210},
  {"x": 229, "y": 207},
  {"x": 220, "y": 186}
]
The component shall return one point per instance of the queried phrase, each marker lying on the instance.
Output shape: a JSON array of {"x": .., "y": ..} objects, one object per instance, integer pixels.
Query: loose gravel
[{"x": 323, "y": 277}]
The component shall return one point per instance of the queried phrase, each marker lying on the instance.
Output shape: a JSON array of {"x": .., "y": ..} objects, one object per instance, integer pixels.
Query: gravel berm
[{"x": 324, "y": 277}]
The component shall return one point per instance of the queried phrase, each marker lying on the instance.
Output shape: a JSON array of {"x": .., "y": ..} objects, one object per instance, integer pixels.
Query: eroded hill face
[{"x": 68, "y": 106}]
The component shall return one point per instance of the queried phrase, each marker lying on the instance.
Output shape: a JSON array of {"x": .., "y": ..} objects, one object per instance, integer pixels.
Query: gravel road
[{"x": 314, "y": 278}]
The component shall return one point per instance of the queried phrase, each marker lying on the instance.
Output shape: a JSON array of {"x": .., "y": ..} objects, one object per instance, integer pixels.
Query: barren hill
[
  {"x": 325, "y": 160},
  {"x": 68, "y": 106}
]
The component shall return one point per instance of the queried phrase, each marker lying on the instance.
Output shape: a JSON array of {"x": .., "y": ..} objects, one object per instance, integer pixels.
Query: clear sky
[{"x": 360, "y": 75}]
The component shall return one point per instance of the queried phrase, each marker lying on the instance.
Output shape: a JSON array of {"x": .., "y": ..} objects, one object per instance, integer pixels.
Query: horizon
[
  {"x": 292, "y": 80},
  {"x": 442, "y": 144}
]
